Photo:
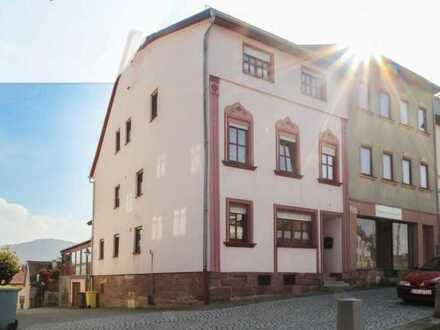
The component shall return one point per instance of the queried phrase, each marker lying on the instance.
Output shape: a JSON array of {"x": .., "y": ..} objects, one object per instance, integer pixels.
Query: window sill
[
  {"x": 138, "y": 196},
  {"x": 270, "y": 80},
  {"x": 389, "y": 119},
  {"x": 239, "y": 165},
  {"x": 390, "y": 181},
  {"x": 240, "y": 244},
  {"x": 425, "y": 190},
  {"x": 295, "y": 245},
  {"x": 405, "y": 126},
  {"x": 369, "y": 177},
  {"x": 136, "y": 253},
  {"x": 408, "y": 186},
  {"x": 288, "y": 174},
  {"x": 329, "y": 182}
]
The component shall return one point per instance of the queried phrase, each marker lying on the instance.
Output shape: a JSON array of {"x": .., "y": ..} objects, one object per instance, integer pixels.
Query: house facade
[
  {"x": 392, "y": 173},
  {"x": 75, "y": 275},
  {"x": 225, "y": 172}
]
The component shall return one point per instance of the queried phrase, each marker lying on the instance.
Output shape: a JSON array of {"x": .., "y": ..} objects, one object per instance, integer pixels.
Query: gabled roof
[{"x": 88, "y": 242}]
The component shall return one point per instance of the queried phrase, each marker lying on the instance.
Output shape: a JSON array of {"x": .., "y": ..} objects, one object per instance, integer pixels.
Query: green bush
[{"x": 9, "y": 266}]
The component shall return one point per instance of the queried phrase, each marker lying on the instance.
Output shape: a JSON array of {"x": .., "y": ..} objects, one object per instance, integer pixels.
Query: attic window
[
  {"x": 257, "y": 63},
  {"x": 154, "y": 99},
  {"x": 313, "y": 84}
]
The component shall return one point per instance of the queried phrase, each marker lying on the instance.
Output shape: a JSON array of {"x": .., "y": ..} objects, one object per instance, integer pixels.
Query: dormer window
[{"x": 257, "y": 63}]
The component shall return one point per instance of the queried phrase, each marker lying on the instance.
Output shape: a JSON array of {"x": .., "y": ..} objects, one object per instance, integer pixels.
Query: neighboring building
[
  {"x": 392, "y": 172},
  {"x": 273, "y": 207},
  {"x": 275, "y": 145},
  {"x": 75, "y": 273},
  {"x": 21, "y": 279},
  {"x": 437, "y": 140}
]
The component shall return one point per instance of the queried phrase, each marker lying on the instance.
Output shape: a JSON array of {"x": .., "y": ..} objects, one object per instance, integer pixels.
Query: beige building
[{"x": 219, "y": 168}]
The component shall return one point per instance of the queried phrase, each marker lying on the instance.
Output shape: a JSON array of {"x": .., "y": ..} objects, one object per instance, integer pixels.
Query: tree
[{"x": 9, "y": 266}]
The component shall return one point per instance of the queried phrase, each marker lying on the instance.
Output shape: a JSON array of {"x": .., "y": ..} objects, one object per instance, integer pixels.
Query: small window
[
  {"x": 137, "y": 240},
  {"x": 139, "y": 180},
  {"x": 366, "y": 161},
  {"x": 384, "y": 104},
  {"x": 422, "y": 125},
  {"x": 127, "y": 131},
  {"x": 424, "y": 182},
  {"x": 406, "y": 171},
  {"x": 116, "y": 200},
  {"x": 116, "y": 245},
  {"x": 289, "y": 279},
  {"x": 154, "y": 100},
  {"x": 118, "y": 141},
  {"x": 238, "y": 223},
  {"x": 313, "y": 84},
  {"x": 387, "y": 165},
  {"x": 287, "y": 150},
  {"x": 293, "y": 229},
  {"x": 101, "y": 249},
  {"x": 238, "y": 144},
  {"x": 404, "y": 112},
  {"x": 328, "y": 162},
  {"x": 363, "y": 95},
  {"x": 264, "y": 280},
  {"x": 257, "y": 63}
]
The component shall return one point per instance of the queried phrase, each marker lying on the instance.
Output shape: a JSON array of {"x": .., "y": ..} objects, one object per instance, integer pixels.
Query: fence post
[{"x": 349, "y": 314}]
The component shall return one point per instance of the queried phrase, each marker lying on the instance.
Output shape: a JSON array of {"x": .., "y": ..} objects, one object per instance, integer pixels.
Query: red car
[{"x": 419, "y": 285}]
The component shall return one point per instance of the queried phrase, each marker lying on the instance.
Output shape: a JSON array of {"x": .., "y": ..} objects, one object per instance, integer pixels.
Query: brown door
[
  {"x": 75, "y": 293},
  {"x": 428, "y": 243}
]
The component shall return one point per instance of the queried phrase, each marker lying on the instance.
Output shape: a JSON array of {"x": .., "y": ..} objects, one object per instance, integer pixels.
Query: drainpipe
[
  {"x": 91, "y": 284},
  {"x": 205, "y": 151}
]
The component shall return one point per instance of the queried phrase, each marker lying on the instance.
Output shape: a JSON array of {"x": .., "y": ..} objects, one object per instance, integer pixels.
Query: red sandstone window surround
[
  {"x": 239, "y": 137},
  {"x": 239, "y": 223},
  {"x": 288, "y": 160},
  {"x": 329, "y": 158},
  {"x": 295, "y": 227}
]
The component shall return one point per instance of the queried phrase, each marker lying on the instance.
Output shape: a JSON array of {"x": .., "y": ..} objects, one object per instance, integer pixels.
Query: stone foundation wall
[
  {"x": 362, "y": 278},
  {"x": 172, "y": 289}
]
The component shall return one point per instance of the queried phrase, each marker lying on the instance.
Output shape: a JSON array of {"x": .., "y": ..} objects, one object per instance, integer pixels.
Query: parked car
[{"x": 419, "y": 285}]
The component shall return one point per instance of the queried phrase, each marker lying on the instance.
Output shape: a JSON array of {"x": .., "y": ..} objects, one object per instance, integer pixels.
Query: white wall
[{"x": 169, "y": 150}]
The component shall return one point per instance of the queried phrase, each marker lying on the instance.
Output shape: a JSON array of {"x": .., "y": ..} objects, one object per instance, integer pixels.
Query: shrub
[{"x": 9, "y": 266}]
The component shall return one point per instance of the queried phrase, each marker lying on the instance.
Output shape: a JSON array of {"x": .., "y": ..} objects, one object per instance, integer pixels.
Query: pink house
[{"x": 220, "y": 168}]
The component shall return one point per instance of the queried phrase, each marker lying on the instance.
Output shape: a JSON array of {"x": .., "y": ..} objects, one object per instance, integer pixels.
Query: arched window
[
  {"x": 239, "y": 137},
  {"x": 328, "y": 158},
  {"x": 288, "y": 161}
]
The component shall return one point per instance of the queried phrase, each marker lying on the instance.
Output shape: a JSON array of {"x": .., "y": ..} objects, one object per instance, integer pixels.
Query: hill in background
[{"x": 40, "y": 249}]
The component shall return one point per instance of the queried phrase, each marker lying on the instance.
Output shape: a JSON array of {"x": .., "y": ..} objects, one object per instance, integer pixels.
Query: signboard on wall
[{"x": 388, "y": 212}]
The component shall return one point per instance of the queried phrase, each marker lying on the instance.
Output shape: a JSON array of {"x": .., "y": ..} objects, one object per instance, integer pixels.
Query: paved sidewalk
[{"x": 381, "y": 309}]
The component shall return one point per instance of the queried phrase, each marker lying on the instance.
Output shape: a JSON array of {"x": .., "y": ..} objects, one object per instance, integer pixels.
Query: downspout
[
  {"x": 206, "y": 158},
  {"x": 91, "y": 284}
]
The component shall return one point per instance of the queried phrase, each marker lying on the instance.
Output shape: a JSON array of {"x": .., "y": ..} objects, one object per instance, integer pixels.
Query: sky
[{"x": 48, "y": 132}]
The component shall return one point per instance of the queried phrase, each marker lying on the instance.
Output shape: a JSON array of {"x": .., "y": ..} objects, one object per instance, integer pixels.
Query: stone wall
[{"x": 171, "y": 289}]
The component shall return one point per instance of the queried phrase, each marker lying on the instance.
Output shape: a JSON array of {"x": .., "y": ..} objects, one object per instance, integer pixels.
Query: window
[
  {"x": 116, "y": 245},
  {"x": 101, "y": 249},
  {"x": 288, "y": 160},
  {"x": 84, "y": 260},
  {"x": 287, "y": 154},
  {"x": 406, "y": 171},
  {"x": 328, "y": 162},
  {"x": 154, "y": 99},
  {"x": 116, "y": 201},
  {"x": 384, "y": 104},
  {"x": 387, "y": 166},
  {"x": 137, "y": 240},
  {"x": 421, "y": 115},
  {"x": 257, "y": 63},
  {"x": 264, "y": 280},
  {"x": 118, "y": 141},
  {"x": 293, "y": 228},
  {"x": 127, "y": 131},
  {"x": 238, "y": 137},
  {"x": 238, "y": 145},
  {"x": 239, "y": 223},
  {"x": 424, "y": 181},
  {"x": 366, "y": 161},
  {"x": 363, "y": 95},
  {"x": 404, "y": 112},
  {"x": 139, "y": 180},
  {"x": 313, "y": 84}
]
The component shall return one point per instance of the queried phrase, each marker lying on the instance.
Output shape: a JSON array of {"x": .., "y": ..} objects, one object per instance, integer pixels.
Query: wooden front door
[
  {"x": 76, "y": 288},
  {"x": 428, "y": 243}
]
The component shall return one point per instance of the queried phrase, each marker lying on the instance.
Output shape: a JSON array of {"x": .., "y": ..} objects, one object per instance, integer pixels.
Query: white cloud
[{"x": 19, "y": 225}]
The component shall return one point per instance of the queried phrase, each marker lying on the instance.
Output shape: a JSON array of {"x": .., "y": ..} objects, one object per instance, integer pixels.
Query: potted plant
[{"x": 9, "y": 266}]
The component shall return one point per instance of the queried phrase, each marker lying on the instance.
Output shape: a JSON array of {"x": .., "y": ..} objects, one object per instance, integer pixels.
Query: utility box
[{"x": 91, "y": 299}]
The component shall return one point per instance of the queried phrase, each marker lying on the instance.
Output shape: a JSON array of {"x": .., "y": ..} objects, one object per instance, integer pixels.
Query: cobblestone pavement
[{"x": 381, "y": 309}]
